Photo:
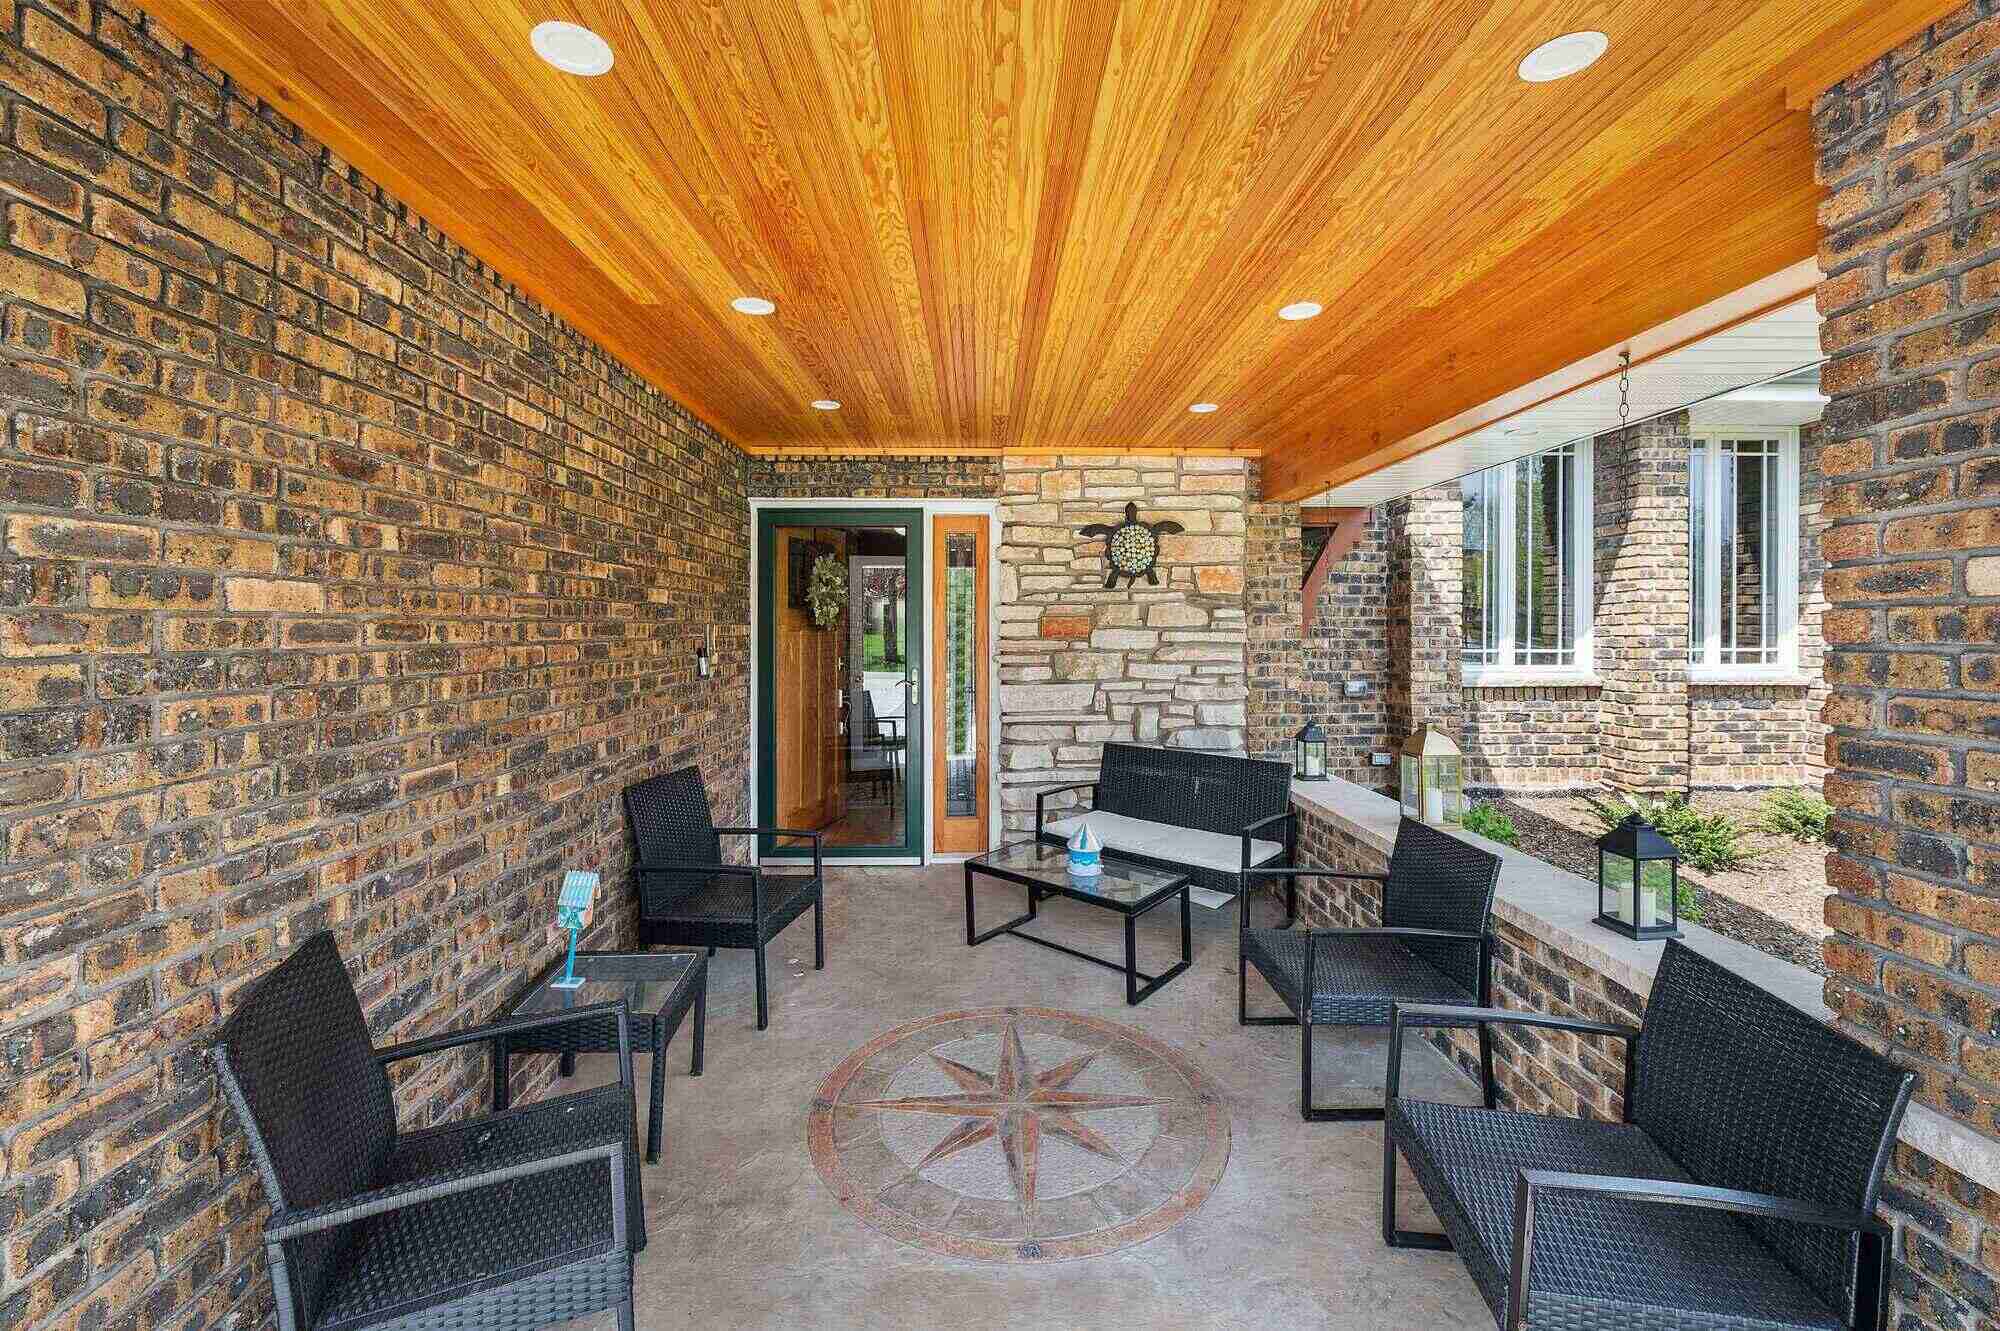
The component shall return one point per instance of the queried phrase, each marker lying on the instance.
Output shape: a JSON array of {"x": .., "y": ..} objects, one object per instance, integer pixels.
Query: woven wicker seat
[
  {"x": 689, "y": 898},
  {"x": 1356, "y": 979},
  {"x": 1739, "y": 1193},
  {"x": 1432, "y": 947},
  {"x": 517, "y": 1220}
]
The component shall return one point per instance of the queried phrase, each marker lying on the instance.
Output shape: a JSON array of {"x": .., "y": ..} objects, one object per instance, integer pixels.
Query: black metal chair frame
[
  {"x": 754, "y": 933},
  {"x": 1302, "y": 1017},
  {"x": 1871, "y": 1264},
  {"x": 570, "y": 1290}
]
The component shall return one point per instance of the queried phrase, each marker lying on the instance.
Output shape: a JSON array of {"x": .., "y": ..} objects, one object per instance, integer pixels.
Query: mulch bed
[{"x": 1775, "y": 905}]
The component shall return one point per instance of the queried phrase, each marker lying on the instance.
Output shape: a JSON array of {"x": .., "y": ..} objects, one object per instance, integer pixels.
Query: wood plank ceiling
[{"x": 1039, "y": 224}]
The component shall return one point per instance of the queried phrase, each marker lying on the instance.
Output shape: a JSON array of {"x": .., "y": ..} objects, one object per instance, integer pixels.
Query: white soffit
[{"x": 1724, "y": 379}]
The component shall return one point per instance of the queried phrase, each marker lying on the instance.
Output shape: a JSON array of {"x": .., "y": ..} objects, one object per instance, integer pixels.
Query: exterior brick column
[
  {"x": 1640, "y": 570},
  {"x": 1274, "y": 650},
  {"x": 1911, "y": 503},
  {"x": 1426, "y": 627}
]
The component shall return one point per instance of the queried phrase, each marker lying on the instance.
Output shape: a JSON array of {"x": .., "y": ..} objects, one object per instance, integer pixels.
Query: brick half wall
[{"x": 1944, "y": 1241}]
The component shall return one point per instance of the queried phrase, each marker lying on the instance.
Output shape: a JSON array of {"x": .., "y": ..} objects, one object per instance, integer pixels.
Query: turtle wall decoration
[{"x": 1132, "y": 547}]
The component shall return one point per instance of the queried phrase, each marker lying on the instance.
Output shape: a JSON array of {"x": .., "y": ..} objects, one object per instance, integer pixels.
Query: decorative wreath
[{"x": 826, "y": 592}]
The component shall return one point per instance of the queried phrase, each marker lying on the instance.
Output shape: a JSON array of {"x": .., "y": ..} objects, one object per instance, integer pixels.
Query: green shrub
[
  {"x": 1713, "y": 842},
  {"x": 1798, "y": 814},
  {"x": 1487, "y": 821}
]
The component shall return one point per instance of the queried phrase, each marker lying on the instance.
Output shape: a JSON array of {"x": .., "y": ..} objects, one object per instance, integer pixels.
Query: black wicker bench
[
  {"x": 1212, "y": 815},
  {"x": 1738, "y": 1192}
]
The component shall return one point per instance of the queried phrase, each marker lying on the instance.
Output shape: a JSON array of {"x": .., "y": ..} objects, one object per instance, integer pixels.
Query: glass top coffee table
[
  {"x": 659, "y": 988},
  {"x": 1131, "y": 890}
]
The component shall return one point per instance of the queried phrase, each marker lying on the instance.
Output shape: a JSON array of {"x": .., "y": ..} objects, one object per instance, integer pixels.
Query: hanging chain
[{"x": 1624, "y": 386}]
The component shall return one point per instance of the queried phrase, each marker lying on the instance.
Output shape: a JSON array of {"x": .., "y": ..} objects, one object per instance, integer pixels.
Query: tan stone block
[
  {"x": 1219, "y": 580},
  {"x": 1061, "y": 625}
]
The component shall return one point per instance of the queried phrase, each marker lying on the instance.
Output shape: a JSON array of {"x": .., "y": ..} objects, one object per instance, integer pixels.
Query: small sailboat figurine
[{"x": 1086, "y": 851}]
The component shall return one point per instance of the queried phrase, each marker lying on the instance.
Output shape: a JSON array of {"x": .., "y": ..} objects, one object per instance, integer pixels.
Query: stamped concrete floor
[{"x": 744, "y": 1234}]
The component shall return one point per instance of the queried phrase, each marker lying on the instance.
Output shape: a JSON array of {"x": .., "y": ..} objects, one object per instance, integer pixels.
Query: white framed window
[
  {"x": 1526, "y": 571},
  {"x": 1743, "y": 543}
]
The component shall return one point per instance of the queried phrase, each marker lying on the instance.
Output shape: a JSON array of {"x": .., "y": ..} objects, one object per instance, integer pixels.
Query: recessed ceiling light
[
  {"x": 1300, "y": 309},
  {"x": 1202, "y": 408},
  {"x": 825, "y": 404},
  {"x": 1571, "y": 53},
  {"x": 572, "y": 48},
  {"x": 753, "y": 305}
]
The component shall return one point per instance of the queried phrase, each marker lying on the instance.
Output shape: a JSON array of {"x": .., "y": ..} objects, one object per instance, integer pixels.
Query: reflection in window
[
  {"x": 1743, "y": 495},
  {"x": 1525, "y": 581},
  {"x": 961, "y": 682}
]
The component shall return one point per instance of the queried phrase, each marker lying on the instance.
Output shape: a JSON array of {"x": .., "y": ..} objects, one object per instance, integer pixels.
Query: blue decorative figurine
[{"x": 574, "y": 907}]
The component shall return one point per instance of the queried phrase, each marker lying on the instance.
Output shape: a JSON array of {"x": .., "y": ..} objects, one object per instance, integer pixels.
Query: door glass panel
[
  {"x": 842, "y": 638},
  {"x": 877, "y": 703},
  {"x": 959, "y": 688}
]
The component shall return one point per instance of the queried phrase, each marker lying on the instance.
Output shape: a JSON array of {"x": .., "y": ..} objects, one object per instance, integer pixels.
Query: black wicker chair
[
  {"x": 520, "y": 1219},
  {"x": 1432, "y": 947},
  {"x": 1739, "y": 1191},
  {"x": 689, "y": 898}
]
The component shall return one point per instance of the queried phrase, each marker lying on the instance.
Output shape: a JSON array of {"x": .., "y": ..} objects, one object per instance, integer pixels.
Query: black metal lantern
[
  {"x": 1638, "y": 881},
  {"x": 1309, "y": 753}
]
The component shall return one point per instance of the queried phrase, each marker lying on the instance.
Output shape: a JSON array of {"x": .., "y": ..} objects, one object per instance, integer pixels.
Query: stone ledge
[{"x": 1559, "y": 908}]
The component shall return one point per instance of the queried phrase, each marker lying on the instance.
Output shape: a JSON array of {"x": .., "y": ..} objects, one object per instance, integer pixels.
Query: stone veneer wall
[
  {"x": 1911, "y": 251},
  {"x": 343, "y": 587},
  {"x": 1081, "y": 664},
  {"x": 1944, "y": 1246}
]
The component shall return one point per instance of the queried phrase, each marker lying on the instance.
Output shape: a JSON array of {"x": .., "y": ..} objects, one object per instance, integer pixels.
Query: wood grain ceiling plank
[
  {"x": 849, "y": 50},
  {"x": 1305, "y": 192},
  {"x": 1032, "y": 224}
]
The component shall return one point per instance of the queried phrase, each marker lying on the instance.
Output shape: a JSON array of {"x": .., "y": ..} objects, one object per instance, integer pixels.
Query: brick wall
[
  {"x": 1349, "y": 639},
  {"x": 1640, "y": 508},
  {"x": 890, "y": 477},
  {"x": 1910, "y": 249},
  {"x": 1081, "y": 664},
  {"x": 1548, "y": 738},
  {"x": 340, "y": 586},
  {"x": 1523, "y": 740},
  {"x": 1274, "y": 648},
  {"x": 1425, "y": 631}
]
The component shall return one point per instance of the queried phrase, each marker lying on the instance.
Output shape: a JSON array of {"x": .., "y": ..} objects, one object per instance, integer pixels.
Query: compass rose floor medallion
[{"x": 1018, "y": 1134}]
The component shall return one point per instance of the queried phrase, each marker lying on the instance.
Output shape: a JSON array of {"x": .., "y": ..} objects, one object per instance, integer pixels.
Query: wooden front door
[{"x": 807, "y": 683}]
